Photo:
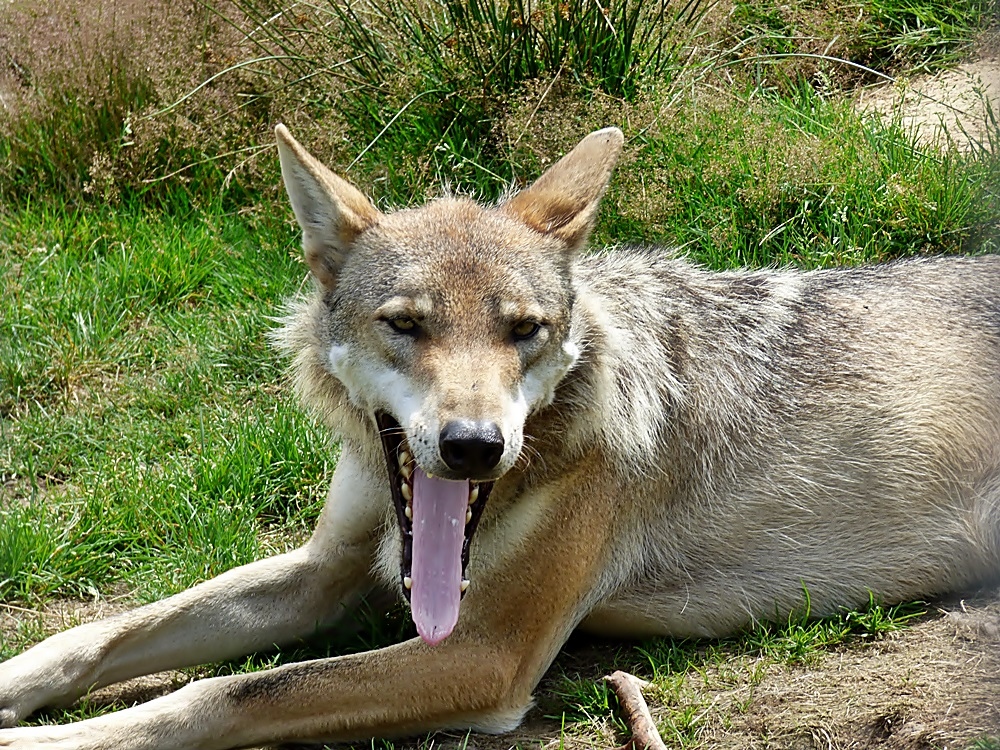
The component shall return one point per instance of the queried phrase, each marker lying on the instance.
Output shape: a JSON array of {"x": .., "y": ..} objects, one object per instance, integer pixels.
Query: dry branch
[{"x": 628, "y": 689}]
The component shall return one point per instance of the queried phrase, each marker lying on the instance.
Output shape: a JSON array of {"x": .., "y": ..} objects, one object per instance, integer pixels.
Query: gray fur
[{"x": 835, "y": 431}]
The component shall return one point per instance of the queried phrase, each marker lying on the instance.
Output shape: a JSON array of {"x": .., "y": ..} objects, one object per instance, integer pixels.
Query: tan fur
[{"x": 684, "y": 453}]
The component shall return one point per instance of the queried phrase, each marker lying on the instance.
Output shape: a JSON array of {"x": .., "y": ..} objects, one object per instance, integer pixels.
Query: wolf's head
[{"x": 448, "y": 324}]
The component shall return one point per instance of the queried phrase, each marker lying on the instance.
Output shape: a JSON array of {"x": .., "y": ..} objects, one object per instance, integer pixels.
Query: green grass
[
  {"x": 408, "y": 92},
  {"x": 144, "y": 441},
  {"x": 799, "y": 179}
]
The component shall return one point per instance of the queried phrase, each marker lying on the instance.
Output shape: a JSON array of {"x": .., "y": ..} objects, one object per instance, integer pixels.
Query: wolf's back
[{"x": 838, "y": 430}]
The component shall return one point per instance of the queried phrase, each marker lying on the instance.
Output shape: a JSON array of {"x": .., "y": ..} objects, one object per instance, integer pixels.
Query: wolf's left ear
[
  {"x": 331, "y": 211},
  {"x": 563, "y": 202}
]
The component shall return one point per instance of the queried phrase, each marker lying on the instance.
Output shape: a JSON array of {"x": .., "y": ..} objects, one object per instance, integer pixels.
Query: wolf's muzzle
[{"x": 469, "y": 448}]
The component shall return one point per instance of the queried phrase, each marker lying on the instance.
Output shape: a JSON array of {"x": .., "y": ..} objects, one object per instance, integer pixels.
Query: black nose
[{"x": 471, "y": 448}]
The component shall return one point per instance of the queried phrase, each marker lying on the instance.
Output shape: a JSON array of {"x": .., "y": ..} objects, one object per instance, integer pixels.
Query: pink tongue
[{"x": 439, "y": 507}]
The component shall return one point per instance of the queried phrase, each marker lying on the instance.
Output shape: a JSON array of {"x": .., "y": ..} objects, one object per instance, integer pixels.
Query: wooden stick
[{"x": 628, "y": 689}]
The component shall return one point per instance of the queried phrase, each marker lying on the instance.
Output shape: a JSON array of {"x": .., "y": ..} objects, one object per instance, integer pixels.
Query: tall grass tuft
[
  {"x": 423, "y": 87},
  {"x": 499, "y": 45}
]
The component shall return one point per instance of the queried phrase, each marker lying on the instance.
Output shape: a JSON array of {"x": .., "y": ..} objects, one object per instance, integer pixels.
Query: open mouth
[{"x": 437, "y": 518}]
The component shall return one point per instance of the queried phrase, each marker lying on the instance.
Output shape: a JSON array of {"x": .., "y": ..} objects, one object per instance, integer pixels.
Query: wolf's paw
[
  {"x": 56, "y": 671},
  {"x": 8, "y": 717},
  {"x": 81, "y": 735},
  {"x": 17, "y": 698},
  {"x": 49, "y": 738},
  {"x": 15, "y": 705}
]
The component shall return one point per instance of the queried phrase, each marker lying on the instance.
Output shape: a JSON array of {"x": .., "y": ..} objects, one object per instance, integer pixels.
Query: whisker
[{"x": 527, "y": 454}]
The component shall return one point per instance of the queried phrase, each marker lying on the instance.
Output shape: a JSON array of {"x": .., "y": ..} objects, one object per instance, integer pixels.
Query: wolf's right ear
[
  {"x": 331, "y": 211},
  {"x": 563, "y": 202}
]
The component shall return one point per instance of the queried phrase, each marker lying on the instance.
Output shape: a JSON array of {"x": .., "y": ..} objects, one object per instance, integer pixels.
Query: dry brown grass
[{"x": 81, "y": 81}]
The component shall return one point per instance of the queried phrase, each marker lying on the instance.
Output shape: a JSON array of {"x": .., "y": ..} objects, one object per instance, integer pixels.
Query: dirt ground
[
  {"x": 956, "y": 108},
  {"x": 935, "y": 684}
]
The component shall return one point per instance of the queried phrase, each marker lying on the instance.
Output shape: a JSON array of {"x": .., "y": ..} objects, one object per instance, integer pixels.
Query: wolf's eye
[
  {"x": 403, "y": 325},
  {"x": 525, "y": 330}
]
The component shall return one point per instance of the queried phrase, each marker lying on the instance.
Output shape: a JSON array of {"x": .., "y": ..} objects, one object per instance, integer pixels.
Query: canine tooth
[
  {"x": 468, "y": 515},
  {"x": 403, "y": 458},
  {"x": 407, "y": 582},
  {"x": 473, "y": 494},
  {"x": 404, "y": 488},
  {"x": 465, "y": 584},
  {"x": 408, "y": 512}
]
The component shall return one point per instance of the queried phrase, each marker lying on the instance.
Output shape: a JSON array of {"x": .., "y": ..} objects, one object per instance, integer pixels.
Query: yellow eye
[
  {"x": 403, "y": 325},
  {"x": 524, "y": 330}
]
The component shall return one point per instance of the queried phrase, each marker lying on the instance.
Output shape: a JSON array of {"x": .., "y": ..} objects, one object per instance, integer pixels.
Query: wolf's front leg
[
  {"x": 257, "y": 606},
  {"x": 530, "y": 588},
  {"x": 406, "y": 689},
  {"x": 481, "y": 676}
]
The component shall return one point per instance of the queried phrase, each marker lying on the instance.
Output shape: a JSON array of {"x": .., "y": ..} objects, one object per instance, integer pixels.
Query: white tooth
[
  {"x": 403, "y": 458},
  {"x": 408, "y": 512},
  {"x": 429, "y": 475},
  {"x": 407, "y": 582},
  {"x": 473, "y": 494},
  {"x": 468, "y": 515},
  {"x": 404, "y": 488},
  {"x": 406, "y": 470},
  {"x": 465, "y": 584}
]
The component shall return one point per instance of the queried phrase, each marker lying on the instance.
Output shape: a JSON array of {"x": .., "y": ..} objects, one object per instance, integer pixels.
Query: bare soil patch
[
  {"x": 935, "y": 684},
  {"x": 957, "y": 108}
]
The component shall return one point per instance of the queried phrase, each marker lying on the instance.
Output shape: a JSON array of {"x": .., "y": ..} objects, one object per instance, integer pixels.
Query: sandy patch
[{"x": 957, "y": 108}]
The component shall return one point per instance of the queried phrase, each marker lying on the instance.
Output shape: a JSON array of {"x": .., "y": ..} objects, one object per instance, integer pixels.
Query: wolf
[{"x": 536, "y": 439}]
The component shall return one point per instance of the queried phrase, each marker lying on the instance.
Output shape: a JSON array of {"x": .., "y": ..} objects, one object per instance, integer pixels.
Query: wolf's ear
[
  {"x": 331, "y": 211},
  {"x": 563, "y": 202}
]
